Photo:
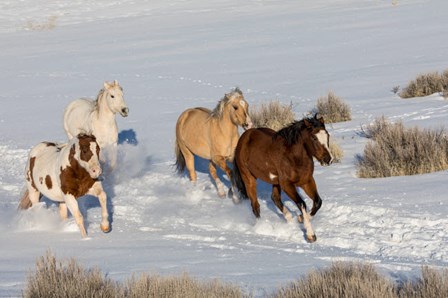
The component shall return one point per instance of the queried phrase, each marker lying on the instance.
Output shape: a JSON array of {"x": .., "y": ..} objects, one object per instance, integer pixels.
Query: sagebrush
[
  {"x": 273, "y": 115},
  {"x": 426, "y": 84},
  {"x": 67, "y": 278},
  {"x": 333, "y": 108},
  {"x": 395, "y": 150}
]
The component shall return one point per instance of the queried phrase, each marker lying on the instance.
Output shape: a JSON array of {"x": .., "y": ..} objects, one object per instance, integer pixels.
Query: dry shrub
[
  {"x": 340, "y": 280},
  {"x": 48, "y": 24},
  {"x": 396, "y": 151},
  {"x": 333, "y": 108},
  {"x": 177, "y": 287},
  {"x": 273, "y": 115},
  {"x": 67, "y": 279},
  {"x": 53, "y": 278},
  {"x": 336, "y": 151},
  {"x": 432, "y": 284},
  {"x": 426, "y": 84}
]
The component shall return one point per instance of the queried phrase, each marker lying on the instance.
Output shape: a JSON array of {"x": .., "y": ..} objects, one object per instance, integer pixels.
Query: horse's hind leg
[
  {"x": 63, "y": 210},
  {"x": 72, "y": 205},
  {"x": 277, "y": 198},
  {"x": 291, "y": 191},
  {"x": 251, "y": 189},
  {"x": 189, "y": 161},
  {"x": 219, "y": 185}
]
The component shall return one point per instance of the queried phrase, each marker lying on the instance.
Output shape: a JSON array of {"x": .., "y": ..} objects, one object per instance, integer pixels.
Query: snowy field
[{"x": 171, "y": 55}]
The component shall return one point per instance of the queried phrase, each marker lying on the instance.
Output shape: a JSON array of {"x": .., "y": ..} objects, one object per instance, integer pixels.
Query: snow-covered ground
[{"x": 171, "y": 55}]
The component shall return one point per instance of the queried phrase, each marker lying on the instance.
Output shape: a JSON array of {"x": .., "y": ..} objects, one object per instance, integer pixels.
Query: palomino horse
[
  {"x": 211, "y": 135},
  {"x": 98, "y": 117},
  {"x": 285, "y": 160},
  {"x": 63, "y": 173}
]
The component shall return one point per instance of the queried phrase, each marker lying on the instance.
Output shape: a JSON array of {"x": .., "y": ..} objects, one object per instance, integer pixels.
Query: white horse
[
  {"x": 63, "y": 173},
  {"x": 98, "y": 117}
]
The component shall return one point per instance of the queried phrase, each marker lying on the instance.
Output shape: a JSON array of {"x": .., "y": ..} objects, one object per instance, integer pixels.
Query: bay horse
[
  {"x": 63, "y": 173},
  {"x": 285, "y": 160},
  {"x": 212, "y": 135},
  {"x": 98, "y": 117}
]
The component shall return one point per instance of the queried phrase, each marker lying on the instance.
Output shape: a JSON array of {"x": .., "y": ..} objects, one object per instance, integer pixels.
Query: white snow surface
[{"x": 172, "y": 55}]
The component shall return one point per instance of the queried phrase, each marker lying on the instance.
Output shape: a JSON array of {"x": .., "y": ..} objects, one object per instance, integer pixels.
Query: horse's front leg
[
  {"x": 311, "y": 190},
  {"x": 291, "y": 191},
  {"x": 219, "y": 185},
  {"x": 113, "y": 152},
  {"x": 222, "y": 163},
  {"x": 276, "y": 196},
  {"x": 72, "y": 205},
  {"x": 98, "y": 191}
]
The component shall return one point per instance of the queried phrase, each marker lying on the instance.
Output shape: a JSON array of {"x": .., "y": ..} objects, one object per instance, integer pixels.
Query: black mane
[{"x": 293, "y": 131}]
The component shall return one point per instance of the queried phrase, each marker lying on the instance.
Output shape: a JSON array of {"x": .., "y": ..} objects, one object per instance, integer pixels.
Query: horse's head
[
  {"x": 319, "y": 141},
  {"x": 114, "y": 98},
  {"x": 239, "y": 109},
  {"x": 87, "y": 154}
]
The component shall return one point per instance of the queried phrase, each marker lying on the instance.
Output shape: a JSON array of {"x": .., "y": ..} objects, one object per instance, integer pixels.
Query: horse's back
[
  {"x": 254, "y": 152},
  {"x": 76, "y": 116},
  {"x": 43, "y": 165},
  {"x": 192, "y": 129}
]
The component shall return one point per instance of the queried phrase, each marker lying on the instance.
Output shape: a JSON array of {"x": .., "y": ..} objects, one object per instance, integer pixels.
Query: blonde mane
[{"x": 219, "y": 109}]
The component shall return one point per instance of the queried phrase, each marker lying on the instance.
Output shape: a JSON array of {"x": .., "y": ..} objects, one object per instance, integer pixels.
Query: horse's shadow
[{"x": 127, "y": 136}]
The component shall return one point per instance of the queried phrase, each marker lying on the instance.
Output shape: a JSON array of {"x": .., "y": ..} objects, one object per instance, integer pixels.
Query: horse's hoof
[
  {"x": 236, "y": 200},
  {"x": 300, "y": 218},
  {"x": 311, "y": 239},
  {"x": 105, "y": 229}
]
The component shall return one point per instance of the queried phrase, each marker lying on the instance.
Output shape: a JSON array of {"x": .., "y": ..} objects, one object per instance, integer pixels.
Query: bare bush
[
  {"x": 426, "y": 84},
  {"x": 432, "y": 284},
  {"x": 340, "y": 280},
  {"x": 336, "y": 151},
  {"x": 273, "y": 115},
  {"x": 48, "y": 24},
  {"x": 67, "y": 279},
  {"x": 333, "y": 108},
  {"x": 397, "y": 151},
  {"x": 53, "y": 279},
  {"x": 177, "y": 287}
]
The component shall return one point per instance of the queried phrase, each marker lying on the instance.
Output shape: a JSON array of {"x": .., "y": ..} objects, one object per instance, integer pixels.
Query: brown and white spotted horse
[{"x": 64, "y": 173}]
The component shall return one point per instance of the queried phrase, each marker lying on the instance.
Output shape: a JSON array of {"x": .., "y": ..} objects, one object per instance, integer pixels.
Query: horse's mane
[
  {"x": 219, "y": 109},
  {"x": 292, "y": 132},
  {"x": 97, "y": 100}
]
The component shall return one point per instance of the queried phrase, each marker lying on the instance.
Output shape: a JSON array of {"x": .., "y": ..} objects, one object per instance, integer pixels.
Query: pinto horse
[
  {"x": 64, "y": 173},
  {"x": 285, "y": 160},
  {"x": 211, "y": 135},
  {"x": 84, "y": 115}
]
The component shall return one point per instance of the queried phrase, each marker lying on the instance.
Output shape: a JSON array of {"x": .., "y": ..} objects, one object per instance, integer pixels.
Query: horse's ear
[
  {"x": 106, "y": 85},
  {"x": 319, "y": 117},
  {"x": 115, "y": 82}
]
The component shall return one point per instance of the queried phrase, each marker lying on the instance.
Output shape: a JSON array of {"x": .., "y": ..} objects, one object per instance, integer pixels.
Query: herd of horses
[{"x": 284, "y": 158}]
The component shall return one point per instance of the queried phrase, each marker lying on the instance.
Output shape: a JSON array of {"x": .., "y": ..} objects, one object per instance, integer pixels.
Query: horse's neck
[
  {"x": 103, "y": 112},
  {"x": 226, "y": 125}
]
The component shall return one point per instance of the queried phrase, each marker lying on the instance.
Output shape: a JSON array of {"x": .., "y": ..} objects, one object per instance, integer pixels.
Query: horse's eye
[
  {"x": 113, "y": 96},
  {"x": 235, "y": 108}
]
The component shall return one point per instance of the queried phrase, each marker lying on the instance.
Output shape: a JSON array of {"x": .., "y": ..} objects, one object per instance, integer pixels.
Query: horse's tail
[
  {"x": 237, "y": 181},
  {"x": 180, "y": 159},
  {"x": 25, "y": 201}
]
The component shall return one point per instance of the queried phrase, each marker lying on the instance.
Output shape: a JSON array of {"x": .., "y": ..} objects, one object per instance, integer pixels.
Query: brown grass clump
[
  {"x": 273, "y": 115},
  {"x": 177, "y": 287},
  {"x": 53, "y": 279},
  {"x": 48, "y": 24},
  {"x": 333, "y": 108},
  {"x": 336, "y": 151},
  {"x": 348, "y": 280},
  {"x": 426, "y": 84},
  {"x": 432, "y": 284},
  {"x": 67, "y": 279},
  {"x": 398, "y": 151}
]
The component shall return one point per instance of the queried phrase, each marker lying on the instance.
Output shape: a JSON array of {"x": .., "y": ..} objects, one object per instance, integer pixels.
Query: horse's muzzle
[
  {"x": 246, "y": 126},
  {"x": 124, "y": 112},
  {"x": 327, "y": 160}
]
